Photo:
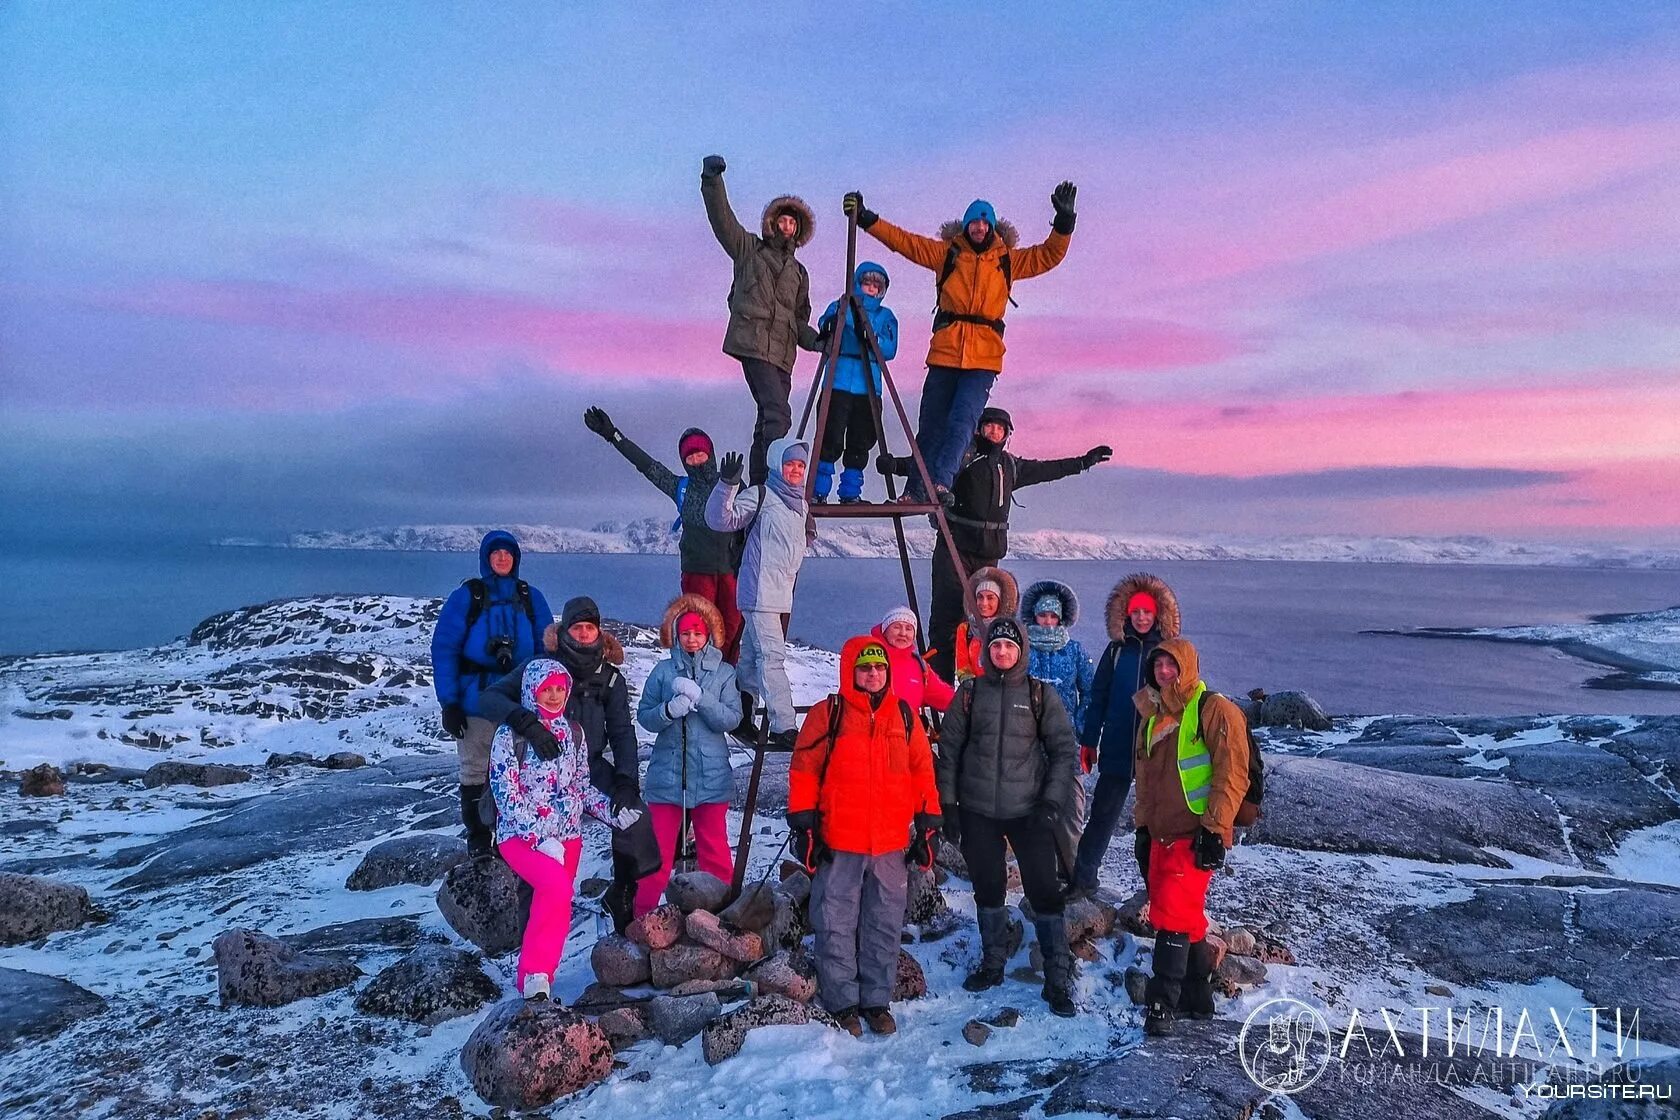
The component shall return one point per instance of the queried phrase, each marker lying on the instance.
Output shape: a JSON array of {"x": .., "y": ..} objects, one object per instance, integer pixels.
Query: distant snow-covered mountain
[{"x": 851, "y": 538}]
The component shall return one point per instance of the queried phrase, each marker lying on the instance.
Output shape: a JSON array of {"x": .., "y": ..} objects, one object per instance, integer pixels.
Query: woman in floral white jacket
[{"x": 540, "y": 804}]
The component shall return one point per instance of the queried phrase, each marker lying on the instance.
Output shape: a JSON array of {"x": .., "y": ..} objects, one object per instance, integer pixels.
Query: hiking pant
[
  {"x": 1107, "y": 802},
  {"x": 1177, "y": 889},
  {"x": 857, "y": 911},
  {"x": 1034, "y": 844},
  {"x": 952, "y": 400},
  {"x": 551, "y": 903},
  {"x": 763, "y": 669},
  {"x": 711, "y": 843},
  {"x": 473, "y": 748},
  {"x": 718, "y": 588},
  {"x": 1069, "y": 830},
  {"x": 849, "y": 431},
  {"x": 770, "y": 386},
  {"x": 947, "y": 607}
]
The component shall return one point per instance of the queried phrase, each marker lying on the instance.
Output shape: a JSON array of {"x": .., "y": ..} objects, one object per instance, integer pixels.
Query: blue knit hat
[{"x": 980, "y": 208}]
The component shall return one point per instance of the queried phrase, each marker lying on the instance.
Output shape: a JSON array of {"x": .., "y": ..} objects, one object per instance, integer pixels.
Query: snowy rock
[
  {"x": 950, "y": 857},
  {"x": 528, "y": 1054},
  {"x": 290, "y": 758},
  {"x": 620, "y": 962},
  {"x": 659, "y": 928},
  {"x": 598, "y": 998},
  {"x": 194, "y": 774},
  {"x": 1241, "y": 971},
  {"x": 697, "y": 890},
  {"x": 399, "y": 930},
  {"x": 796, "y": 884},
  {"x": 707, "y": 929},
  {"x": 1660, "y": 1075},
  {"x": 772, "y": 786},
  {"x": 926, "y": 902},
  {"x": 1240, "y": 940},
  {"x": 257, "y": 970},
  {"x": 786, "y": 975},
  {"x": 975, "y": 1033},
  {"x": 1084, "y": 950},
  {"x": 1590, "y": 727},
  {"x": 1410, "y": 730},
  {"x": 726, "y": 990},
  {"x": 342, "y": 760},
  {"x": 421, "y": 859},
  {"x": 480, "y": 901},
  {"x": 429, "y": 985},
  {"x": 1441, "y": 762},
  {"x": 1602, "y": 793},
  {"x": 625, "y": 1026},
  {"x": 1131, "y": 915},
  {"x": 1195, "y": 1074},
  {"x": 908, "y": 980},
  {"x": 676, "y": 1019},
  {"x": 1290, "y": 709},
  {"x": 725, "y": 1035},
  {"x": 1089, "y": 918},
  {"x": 754, "y": 910},
  {"x": 41, "y": 781},
  {"x": 1652, "y": 747},
  {"x": 790, "y": 925},
  {"x": 32, "y": 907},
  {"x": 683, "y": 962},
  {"x": 32, "y": 1005},
  {"x": 1136, "y": 982}
]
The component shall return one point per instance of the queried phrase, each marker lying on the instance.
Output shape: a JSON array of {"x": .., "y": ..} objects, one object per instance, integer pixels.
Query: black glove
[
  {"x": 1049, "y": 812},
  {"x": 921, "y": 843},
  {"x": 597, "y": 421},
  {"x": 887, "y": 463},
  {"x": 1101, "y": 453},
  {"x": 528, "y": 727},
  {"x": 625, "y": 795},
  {"x": 729, "y": 468},
  {"x": 712, "y": 165},
  {"x": 1062, "y": 199},
  {"x": 454, "y": 721},
  {"x": 1140, "y": 849},
  {"x": 802, "y": 839},
  {"x": 953, "y": 831},
  {"x": 1208, "y": 849},
  {"x": 824, "y": 333},
  {"x": 852, "y": 203}
]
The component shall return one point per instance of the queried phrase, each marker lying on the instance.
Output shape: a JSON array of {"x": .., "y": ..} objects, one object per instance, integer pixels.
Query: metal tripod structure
[{"x": 822, "y": 390}]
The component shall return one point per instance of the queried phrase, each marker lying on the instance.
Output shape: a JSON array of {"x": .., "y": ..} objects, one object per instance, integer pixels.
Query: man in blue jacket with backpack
[
  {"x": 849, "y": 433},
  {"x": 487, "y": 626}
]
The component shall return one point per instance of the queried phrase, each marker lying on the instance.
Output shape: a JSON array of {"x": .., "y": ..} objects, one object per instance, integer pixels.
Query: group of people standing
[{"x": 1018, "y": 710}]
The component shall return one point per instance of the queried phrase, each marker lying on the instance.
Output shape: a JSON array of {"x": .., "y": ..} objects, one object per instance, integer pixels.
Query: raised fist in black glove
[
  {"x": 597, "y": 421},
  {"x": 528, "y": 727},
  {"x": 1101, "y": 453},
  {"x": 1062, "y": 199},
  {"x": 729, "y": 468},
  {"x": 1140, "y": 849},
  {"x": 712, "y": 165},
  {"x": 1209, "y": 850},
  {"x": 454, "y": 721},
  {"x": 852, "y": 203}
]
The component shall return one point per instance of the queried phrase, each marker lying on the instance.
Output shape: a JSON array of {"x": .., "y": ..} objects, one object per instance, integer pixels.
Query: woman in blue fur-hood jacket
[{"x": 1057, "y": 658}]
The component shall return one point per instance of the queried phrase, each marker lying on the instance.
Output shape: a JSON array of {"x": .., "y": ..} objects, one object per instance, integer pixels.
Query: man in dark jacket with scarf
[
  {"x": 487, "y": 626},
  {"x": 769, "y": 303},
  {"x": 1142, "y": 613},
  {"x": 978, "y": 513},
  {"x": 600, "y": 704},
  {"x": 708, "y": 557}
]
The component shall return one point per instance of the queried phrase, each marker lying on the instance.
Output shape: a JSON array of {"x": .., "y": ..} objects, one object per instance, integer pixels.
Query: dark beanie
[
  {"x": 1006, "y": 629},
  {"x": 580, "y": 609},
  {"x": 991, "y": 415}
]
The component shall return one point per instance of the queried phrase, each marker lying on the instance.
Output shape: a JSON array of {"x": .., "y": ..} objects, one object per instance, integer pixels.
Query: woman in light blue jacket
[{"x": 690, "y": 702}]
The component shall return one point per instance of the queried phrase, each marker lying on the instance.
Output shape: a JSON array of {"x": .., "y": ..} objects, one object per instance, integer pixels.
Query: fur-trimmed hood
[
  {"x": 611, "y": 651},
  {"x": 791, "y": 202},
  {"x": 1006, "y": 232},
  {"x": 1008, "y": 603},
  {"x": 1070, "y": 602},
  {"x": 680, "y": 606},
  {"x": 1168, "y": 624}
]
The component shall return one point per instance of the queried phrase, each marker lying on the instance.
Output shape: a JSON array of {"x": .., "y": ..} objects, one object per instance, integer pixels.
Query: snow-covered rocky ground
[
  {"x": 1642, "y": 649},
  {"x": 852, "y": 538},
  {"x": 1473, "y": 863}
]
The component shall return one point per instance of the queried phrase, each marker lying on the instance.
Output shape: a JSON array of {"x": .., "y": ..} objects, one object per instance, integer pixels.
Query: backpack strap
[
  {"x": 480, "y": 597},
  {"x": 522, "y": 596}
]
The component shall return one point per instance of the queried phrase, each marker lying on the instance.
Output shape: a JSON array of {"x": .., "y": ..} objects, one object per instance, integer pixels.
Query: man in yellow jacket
[{"x": 976, "y": 263}]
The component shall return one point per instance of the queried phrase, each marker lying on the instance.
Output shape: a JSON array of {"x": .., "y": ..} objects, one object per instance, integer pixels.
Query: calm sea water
[{"x": 1267, "y": 624}]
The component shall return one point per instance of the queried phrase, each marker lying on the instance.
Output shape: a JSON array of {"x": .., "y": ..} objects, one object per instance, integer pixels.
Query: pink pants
[
  {"x": 711, "y": 842},
  {"x": 551, "y": 903}
]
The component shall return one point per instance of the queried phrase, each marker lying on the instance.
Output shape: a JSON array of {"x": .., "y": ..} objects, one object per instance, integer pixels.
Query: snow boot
[
  {"x": 1165, "y": 989},
  {"x": 619, "y": 900},
  {"x": 880, "y": 1020},
  {"x": 825, "y": 482},
  {"x": 848, "y": 1020},
  {"x": 481, "y": 842},
  {"x": 994, "y": 932},
  {"x": 1058, "y": 965},
  {"x": 851, "y": 486},
  {"x": 1196, "y": 999},
  {"x": 535, "y": 987},
  {"x": 747, "y": 730}
]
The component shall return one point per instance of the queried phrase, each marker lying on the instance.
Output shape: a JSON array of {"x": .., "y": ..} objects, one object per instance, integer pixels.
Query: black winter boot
[
  {"x": 1196, "y": 999},
  {"x": 481, "y": 842},
  {"x": 619, "y": 901},
  {"x": 994, "y": 937},
  {"x": 1166, "y": 986},
  {"x": 747, "y": 730},
  {"x": 1058, "y": 965}
]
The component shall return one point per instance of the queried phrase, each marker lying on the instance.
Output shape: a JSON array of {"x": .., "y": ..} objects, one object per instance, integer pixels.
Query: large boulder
[
  {"x": 480, "y": 899},
  {"x": 429, "y": 985},
  {"x": 1604, "y": 795},
  {"x": 1653, "y": 747},
  {"x": 725, "y": 1035},
  {"x": 697, "y": 890},
  {"x": 786, "y": 974},
  {"x": 1417, "y": 731},
  {"x": 754, "y": 910},
  {"x": 256, "y": 970},
  {"x": 32, "y": 907},
  {"x": 1319, "y": 804},
  {"x": 420, "y": 859},
  {"x": 527, "y": 1054},
  {"x": 925, "y": 901},
  {"x": 705, "y": 928},
  {"x": 1658, "y": 1077},
  {"x": 676, "y": 1019},
  {"x": 1089, "y": 918},
  {"x": 659, "y": 928},
  {"x": 204, "y": 774},
  {"x": 398, "y": 930},
  {"x": 683, "y": 962},
  {"x": 1290, "y": 709},
  {"x": 32, "y": 1005},
  {"x": 44, "y": 780},
  {"x": 620, "y": 962}
]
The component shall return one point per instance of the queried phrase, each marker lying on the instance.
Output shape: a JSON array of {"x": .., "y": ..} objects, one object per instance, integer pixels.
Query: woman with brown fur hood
[
  {"x": 990, "y": 593},
  {"x": 769, "y": 303},
  {"x": 976, "y": 262}
]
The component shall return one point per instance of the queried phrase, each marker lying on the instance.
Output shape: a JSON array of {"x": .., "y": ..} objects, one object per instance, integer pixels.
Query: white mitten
[
  {"x": 626, "y": 817},
  {"x": 687, "y": 686},
  {"x": 678, "y": 706},
  {"x": 554, "y": 850}
]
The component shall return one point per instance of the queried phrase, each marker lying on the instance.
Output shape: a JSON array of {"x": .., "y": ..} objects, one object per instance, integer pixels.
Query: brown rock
[
  {"x": 909, "y": 982},
  {"x": 257, "y": 970},
  {"x": 708, "y": 929},
  {"x": 528, "y": 1054},
  {"x": 785, "y": 975},
  {"x": 659, "y": 928},
  {"x": 41, "y": 781},
  {"x": 624, "y": 1026},
  {"x": 31, "y": 907},
  {"x": 1089, "y": 918},
  {"x": 975, "y": 1033},
  {"x": 1242, "y": 971},
  {"x": 683, "y": 962},
  {"x": 754, "y": 910},
  {"x": 620, "y": 962},
  {"x": 724, "y": 1035},
  {"x": 1240, "y": 941},
  {"x": 1085, "y": 950}
]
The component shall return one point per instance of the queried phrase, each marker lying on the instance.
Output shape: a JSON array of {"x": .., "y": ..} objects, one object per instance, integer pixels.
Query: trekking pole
[
  {"x": 682, "y": 856},
  {"x": 743, "y": 846}
]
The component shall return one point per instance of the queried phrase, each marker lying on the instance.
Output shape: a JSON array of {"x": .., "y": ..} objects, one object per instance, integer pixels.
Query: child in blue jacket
[{"x": 849, "y": 434}]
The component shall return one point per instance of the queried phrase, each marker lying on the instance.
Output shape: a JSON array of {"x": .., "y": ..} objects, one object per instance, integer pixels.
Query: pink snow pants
[
  {"x": 551, "y": 903},
  {"x": 711, "y": 844}
]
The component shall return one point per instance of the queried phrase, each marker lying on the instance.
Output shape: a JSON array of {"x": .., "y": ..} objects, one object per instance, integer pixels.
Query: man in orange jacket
[
  {"x": 976, "y": 264},
  {"x": 861, "y": 781}
]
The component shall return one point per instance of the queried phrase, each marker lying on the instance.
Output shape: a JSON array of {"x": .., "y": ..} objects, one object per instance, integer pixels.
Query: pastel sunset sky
[{"x": 1340, "y": 268}]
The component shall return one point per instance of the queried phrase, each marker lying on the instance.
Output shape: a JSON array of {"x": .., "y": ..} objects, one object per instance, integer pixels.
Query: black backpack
[
  {"x": 1035, "y": 698},
  {"x": 481, "y": 599},
  {"x": 1250, "y": 808}
]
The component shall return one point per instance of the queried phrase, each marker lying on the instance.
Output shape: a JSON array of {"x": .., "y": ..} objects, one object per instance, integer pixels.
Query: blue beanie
[{"x": 980, "y": 208}]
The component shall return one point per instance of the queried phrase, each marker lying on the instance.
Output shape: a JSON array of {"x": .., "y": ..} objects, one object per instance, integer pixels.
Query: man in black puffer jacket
[{"x": 1006, "y": 770}]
